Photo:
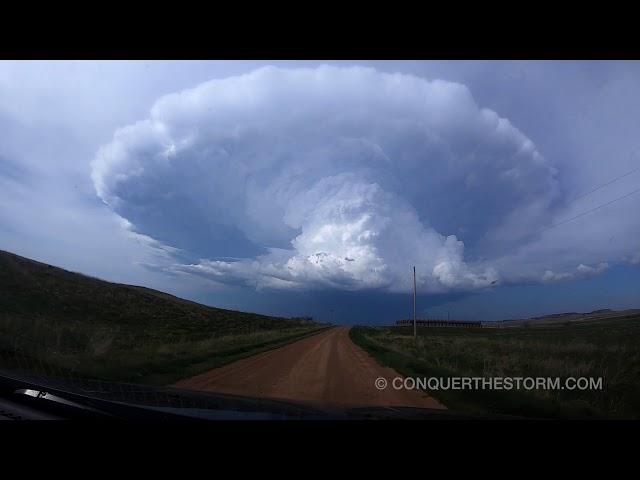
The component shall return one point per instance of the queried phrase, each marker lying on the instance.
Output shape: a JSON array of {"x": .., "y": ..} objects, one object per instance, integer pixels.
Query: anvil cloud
[{"x": 332, "y": 178}]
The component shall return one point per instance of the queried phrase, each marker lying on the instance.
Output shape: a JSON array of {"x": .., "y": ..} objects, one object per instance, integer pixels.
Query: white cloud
[
  {"x": 330, "y": 178},
  {"x": 581, "y": 271},
  {"x": 350, "y": 240}
]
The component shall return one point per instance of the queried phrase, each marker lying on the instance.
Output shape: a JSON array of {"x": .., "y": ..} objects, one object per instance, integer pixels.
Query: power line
[
  {"x": 591, "y": 210},
  {"x": 604, "y": 185}
]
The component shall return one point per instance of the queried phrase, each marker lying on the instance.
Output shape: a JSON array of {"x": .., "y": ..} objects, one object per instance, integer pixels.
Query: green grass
[
  {"x": 607, "y": 348},
  {"x": 64, "y": 323},
  {"x": 145, "y": 360}
]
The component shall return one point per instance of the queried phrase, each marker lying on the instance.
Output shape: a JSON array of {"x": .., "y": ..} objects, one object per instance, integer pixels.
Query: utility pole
[{"x": 415, "y": 329}]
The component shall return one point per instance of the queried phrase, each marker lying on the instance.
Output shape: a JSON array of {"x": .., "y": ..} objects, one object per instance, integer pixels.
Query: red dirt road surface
[{"x": 324, "y": 369}]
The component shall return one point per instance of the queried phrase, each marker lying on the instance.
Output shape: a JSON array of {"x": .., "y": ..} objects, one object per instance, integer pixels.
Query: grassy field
[
  {"x": 607, "y": 348},
  {"x": 133, "y": 357},
  {"x": 62, "y": 323}
]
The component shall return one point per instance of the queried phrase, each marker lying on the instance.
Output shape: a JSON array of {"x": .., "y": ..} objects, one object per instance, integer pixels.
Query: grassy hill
[
  {"x": 569, "y": 317},
  {"x": 70, "y": 323}
]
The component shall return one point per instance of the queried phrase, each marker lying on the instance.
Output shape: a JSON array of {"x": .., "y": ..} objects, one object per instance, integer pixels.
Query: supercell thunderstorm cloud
[{"x": 334, "y": 178}]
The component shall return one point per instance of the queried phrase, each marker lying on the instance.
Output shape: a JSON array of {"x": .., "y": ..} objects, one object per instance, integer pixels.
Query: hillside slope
[
  {"x": 97, "y": 328},
  {"x": 30, "y": 289}
]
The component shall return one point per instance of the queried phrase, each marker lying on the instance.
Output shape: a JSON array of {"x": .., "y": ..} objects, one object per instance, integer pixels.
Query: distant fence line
[{"x": 439, "y": 323}]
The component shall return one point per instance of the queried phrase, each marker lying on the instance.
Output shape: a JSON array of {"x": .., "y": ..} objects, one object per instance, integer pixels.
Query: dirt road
[{"x": 324, "y": 369}]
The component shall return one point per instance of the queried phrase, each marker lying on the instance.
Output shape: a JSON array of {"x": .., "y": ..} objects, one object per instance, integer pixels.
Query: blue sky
[{"x": 313, "y": 187}]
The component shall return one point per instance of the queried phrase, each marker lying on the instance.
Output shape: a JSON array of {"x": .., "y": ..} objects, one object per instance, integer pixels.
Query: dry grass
[
  {"x": 608, "y": 349},
  {"x": 120, "y": 355}
]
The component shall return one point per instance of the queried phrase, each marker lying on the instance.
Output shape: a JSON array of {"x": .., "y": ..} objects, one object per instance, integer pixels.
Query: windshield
[{"x": 270, "y": 240}]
